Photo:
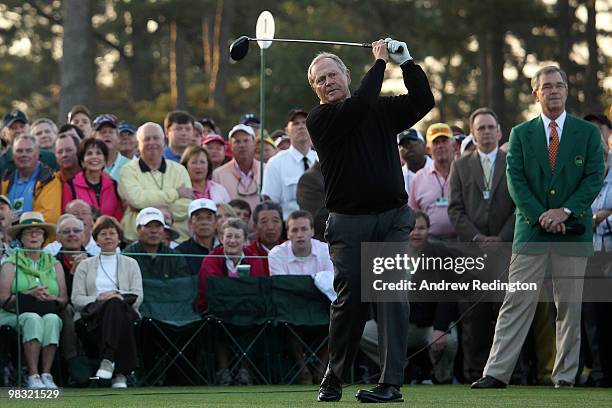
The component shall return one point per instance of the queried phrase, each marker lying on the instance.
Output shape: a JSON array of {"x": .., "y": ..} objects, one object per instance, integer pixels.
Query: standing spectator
[
  {"x": 285, "y": 169},
  {"x": 14, "y": 123},
  {"x": 153, "y": 181},
  {"x": 412, "y": 149},
  {"x": 555, "y": 170},
  {"x": 242, "y": 209},
  {"x": 107, "y": 294},
  {"x": 66, "y": 149},
  {"x": 45, "y": 132},
  {"x": 6, "y": 212},
  {"x": 310, "y": 196},
  {"x": 197, "y": 161},
  {"x": 106, "y": 130},
  {"x": 150, "y": 228},
  {"x": 32, "y": 186},
  {"x": 80, "y": 116},
  {"x": 92, "y": 184},
  {"x": 208, "y": 126},
  {"x": 179, "y": 129},
  {"x": 202, "y": 224},
  {"x": 71, "y": 130},
  {"x": 268, "y": 219},
  {"x": 269, "y": 148},
  {"x": 429, "y": 188},
  {"x": 40, "y": 279},
  {"x": 253, "y": 121},
  {"x": 216, "y": 148},
  {"x": 128, "y": 145},
  {"x": 482, "y": 211},
  {"x": 240, "y": 176},
  {"x": 224, "y": 211}
]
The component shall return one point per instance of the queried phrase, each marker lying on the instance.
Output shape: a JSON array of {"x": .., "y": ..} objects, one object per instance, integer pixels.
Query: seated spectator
[
  {"x": 216, "y": 148},
  {"x": 150, "y": 229},
  {"x": 82, "y": 211},
  {"x": 42, "y": 293},
  {"x": 428, "y": 320},
  {"x": 45, "y": 132},
  {"x": 179, "y": 130},
  {"x": 241, "y": 175},
  {"x": 202, "y": 224},
  {"x": 226, "y": 258},
  {"x": 225, "y": 261},
  {"x": 268, "y": 219},
  {"x": 15, "y": 123},
  {"x": 196, "y": 160},
  {"x": 80, "y": 116},
  {"x": 153, "y": 181},
  {"x": 70, "y": 235},
  {"x": 242, "y": 209},
  {"x": 302, "y": 255},
  {"x": 224, "y": 211},
  {"x": 107, "y": 293},
  {"x": 105, "y": 127},
  {"x": 66, "y": 149},
  {"x": 31, "y": 186},
  {"x": 92, "y": 184},
  {"x": 128, "y": 146}
]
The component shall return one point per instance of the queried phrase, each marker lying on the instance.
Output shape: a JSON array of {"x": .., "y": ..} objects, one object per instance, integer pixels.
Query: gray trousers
[
  {"x": 348, "y": 313},
  {"x": 443, "y": 361}
]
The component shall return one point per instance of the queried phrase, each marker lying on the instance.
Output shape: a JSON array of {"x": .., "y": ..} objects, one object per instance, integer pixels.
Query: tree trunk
[
  {"x": 78, "y": 69},
  {"x": 221, "y": 101},
  {"x": 215, "y": 55},
  {"x": 592, "y": 91},
  {"x": 141, "y": 64},
  {"x": 177, "y": 66},
  {"x": 565, "y": 21}
]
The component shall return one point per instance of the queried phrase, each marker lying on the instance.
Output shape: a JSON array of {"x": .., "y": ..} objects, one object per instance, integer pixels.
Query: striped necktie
[{"x": 553, "y": 145}]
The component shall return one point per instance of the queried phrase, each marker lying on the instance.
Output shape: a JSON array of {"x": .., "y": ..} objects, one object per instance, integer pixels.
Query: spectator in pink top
[
  {"x": 429, "y": 189},
  {"x": 92, "y": 184},
  {"x": 196, "y": 160}
]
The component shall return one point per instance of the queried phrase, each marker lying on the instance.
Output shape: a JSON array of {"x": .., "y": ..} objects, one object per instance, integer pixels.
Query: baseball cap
[
  {"x": 469, "y": 140},
  {"x": 438, "y": 129},
  {"x": 124, "y": 126},
  {"x": 105, "y": 119},
  {"x": 410, "y": 134},
  {"x": 207, "y": 122},
  {"x": 250, "y": 118},
  {"x": 201, "y": 204},
  {"x": 242, "y": 128},
  {"x": 598, "y": 117},
  {"x": 266, "y": 139},
  {"x": 280, "y": 140},
  {"x": 14, "y": 116},
  {"x": 6, "y": 200},
  {"x": 296, "y": 112},
  {"x": 146, "y": 215},
  {"x": 79, "y": 109},
  {"x": 212, "y": 137}
]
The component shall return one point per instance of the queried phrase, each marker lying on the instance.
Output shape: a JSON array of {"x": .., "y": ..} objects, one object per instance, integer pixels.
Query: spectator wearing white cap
[
  {"x": 467, "y": 145},
  {"x": 202, "y": 222},
  {"x": 411, "y": 146},
  {"x": 285, "y": 169},
  {"x": 240, "y": 176},
  {"x": 153, "y": 181},
  {"x": 150, "y": 226}
]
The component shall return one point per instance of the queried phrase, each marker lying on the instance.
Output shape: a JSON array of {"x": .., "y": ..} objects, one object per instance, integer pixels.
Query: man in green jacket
[{"x": 555, "y": 169}]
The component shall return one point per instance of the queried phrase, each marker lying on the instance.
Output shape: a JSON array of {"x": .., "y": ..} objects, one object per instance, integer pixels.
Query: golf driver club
[{"x": 240, "y": 47}]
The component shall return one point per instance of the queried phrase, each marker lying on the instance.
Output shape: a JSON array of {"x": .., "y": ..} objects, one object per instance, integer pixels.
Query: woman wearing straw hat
[{"x": 36, "y": 279}]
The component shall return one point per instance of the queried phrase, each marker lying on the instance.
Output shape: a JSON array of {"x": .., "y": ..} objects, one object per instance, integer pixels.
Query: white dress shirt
[
  {"x": 281, "y": 176},
  {"x": 560, "y": 122}
]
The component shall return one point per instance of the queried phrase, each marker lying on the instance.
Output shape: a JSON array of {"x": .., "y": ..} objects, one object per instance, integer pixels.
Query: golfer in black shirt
[{"x": 355, "y": 137}]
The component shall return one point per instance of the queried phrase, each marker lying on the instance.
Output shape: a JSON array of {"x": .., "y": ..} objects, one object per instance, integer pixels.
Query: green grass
[{"x": 305, "y": 396}]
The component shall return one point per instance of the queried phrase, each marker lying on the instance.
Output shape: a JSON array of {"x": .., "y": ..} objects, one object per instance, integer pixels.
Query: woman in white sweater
[{"x": 106, "y": 294}]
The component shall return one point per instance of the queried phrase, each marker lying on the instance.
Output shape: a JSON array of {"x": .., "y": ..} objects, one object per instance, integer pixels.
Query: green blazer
[{"x": 577, "y": 179}]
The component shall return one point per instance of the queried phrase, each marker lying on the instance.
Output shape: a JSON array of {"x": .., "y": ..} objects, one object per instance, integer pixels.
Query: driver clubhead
[{"x": 239, "y": 48}]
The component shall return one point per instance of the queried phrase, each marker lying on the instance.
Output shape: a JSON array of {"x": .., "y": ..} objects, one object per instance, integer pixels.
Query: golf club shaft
[{"x": 352, "y": 44}]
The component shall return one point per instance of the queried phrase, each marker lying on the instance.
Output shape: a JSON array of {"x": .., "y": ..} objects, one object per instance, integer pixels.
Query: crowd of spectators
[{"x": 113, "y": 203}]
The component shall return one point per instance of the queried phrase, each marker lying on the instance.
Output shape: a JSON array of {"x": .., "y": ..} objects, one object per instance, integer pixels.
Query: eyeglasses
[
  {"x": 247, "y": 192},
  {"x": 69, "y": 230},
  {"x": 34, "y": 231}
]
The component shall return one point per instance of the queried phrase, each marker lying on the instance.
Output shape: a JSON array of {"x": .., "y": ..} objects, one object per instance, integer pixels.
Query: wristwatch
[{"x": 567, "y": 211}]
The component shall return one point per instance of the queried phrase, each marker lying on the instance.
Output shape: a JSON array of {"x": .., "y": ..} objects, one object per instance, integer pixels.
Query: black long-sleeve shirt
[{"x": 357, "y": 145}]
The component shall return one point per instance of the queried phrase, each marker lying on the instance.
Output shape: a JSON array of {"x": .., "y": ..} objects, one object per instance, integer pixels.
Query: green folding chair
[{"x": 168, "y": 310}]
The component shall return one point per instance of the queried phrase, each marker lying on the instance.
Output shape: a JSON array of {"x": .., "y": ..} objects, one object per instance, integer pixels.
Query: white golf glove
[{"x": 398, "y": 51}]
